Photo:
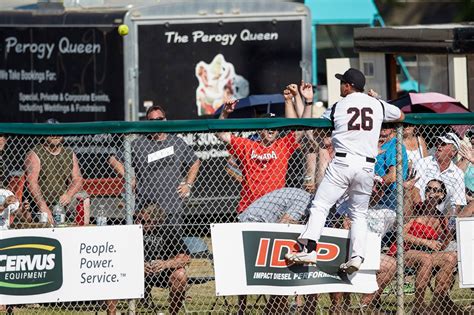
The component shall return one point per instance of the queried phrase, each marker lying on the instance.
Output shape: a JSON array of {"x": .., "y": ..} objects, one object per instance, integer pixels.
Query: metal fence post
[
  {"x": 129, "y": 200},
  {"x": 400, "y": 195}
]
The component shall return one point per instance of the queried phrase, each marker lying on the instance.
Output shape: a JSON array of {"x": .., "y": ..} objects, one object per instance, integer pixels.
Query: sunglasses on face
[
  {"x": 157, "y": 118},
  {"x": 434, "y": 189}
]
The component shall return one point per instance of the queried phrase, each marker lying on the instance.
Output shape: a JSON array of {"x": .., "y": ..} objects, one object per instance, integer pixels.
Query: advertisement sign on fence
[
  {"x": 71, "y": 264},
  {"x": 249, "y": 259},
  {"x": 465, "y": 242}
]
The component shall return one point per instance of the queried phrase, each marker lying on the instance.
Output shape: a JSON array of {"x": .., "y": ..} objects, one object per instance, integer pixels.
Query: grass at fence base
[{"x": 201, "y": 299}]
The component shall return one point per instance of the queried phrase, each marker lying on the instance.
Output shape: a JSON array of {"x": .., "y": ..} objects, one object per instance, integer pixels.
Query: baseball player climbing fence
[{"x": 177, "y": 178}]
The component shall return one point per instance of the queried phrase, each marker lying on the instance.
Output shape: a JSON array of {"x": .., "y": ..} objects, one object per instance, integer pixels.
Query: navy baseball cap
[{"x": 354, "y": 77}]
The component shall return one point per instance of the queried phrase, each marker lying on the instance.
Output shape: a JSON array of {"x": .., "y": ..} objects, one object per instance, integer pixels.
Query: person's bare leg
[
  {"x": 242, "y": 301},
  {"x": 441, "y": 302},
  {"x": 423, "y": 263},
  {"x": 336, "y": 302},
  {"x": 277, "y": 304},
  {"x": 388, "y": 268},
  {"x": 87, "y": 211},
  {"x": 111, "y": 307},
  {"x": 446, "y": 262},
  {"x": 310, "y": 305},
  {"x": 340, "y": 302},
  {"x": 178, "y": 281}
]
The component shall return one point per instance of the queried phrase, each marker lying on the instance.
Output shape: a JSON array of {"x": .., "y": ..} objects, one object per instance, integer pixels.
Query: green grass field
[{"x": 201, "y": 299}]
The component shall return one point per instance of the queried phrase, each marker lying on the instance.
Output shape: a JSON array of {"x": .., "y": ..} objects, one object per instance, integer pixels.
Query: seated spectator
[
  {"x": 284, "y": 205},
  {"x": 425, "y": 237},
  {"x": 52, "y": 175},
  {"x": 415, "y": 145},
  {"x": 8, "y": 205},
  {"x": 388, "y": 268},
  {"x": 164, "y": 258},
  {"x": 441, "y": 167}
]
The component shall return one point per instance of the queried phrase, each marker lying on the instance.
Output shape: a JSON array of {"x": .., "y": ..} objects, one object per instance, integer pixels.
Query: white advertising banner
[
  {"x": 249, "y": 259},
  {"x": 465, "y": 242},
  {"x": 71, "y": 264}
]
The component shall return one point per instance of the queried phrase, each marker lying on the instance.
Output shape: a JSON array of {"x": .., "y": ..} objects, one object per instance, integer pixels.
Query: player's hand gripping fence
[{"x": 177, "y": 187}]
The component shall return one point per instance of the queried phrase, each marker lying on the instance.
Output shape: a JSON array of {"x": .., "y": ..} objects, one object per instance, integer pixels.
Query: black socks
[{"x": 310, "y": 246}]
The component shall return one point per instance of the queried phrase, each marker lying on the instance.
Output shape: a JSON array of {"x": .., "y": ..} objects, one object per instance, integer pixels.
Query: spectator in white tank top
[{"x": 415, "y": 145}]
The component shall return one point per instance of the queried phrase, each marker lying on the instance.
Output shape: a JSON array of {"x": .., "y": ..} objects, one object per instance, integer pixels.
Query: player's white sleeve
[{"x": 391, "y": 112}]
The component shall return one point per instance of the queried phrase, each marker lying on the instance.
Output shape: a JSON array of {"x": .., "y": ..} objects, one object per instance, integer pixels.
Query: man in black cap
[{"x": 356, "y": 120}]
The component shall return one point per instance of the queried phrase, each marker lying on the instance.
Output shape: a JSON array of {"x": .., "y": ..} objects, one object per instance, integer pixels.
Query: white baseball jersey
[{"x": 357, "y": 120}]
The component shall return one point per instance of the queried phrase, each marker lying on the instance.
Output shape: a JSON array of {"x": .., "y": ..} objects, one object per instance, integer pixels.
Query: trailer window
[{"x": 426, "y": 73}]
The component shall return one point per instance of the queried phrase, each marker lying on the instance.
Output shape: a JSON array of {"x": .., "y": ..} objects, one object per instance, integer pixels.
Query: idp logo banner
[
  {"x": 30, "y": 265},
  {"x": 249, "y": 259},
  {"x": 265, "y": 264}
]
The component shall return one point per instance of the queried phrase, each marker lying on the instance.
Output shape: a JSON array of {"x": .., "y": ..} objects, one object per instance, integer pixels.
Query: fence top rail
[{"x": 206, "y": 125}]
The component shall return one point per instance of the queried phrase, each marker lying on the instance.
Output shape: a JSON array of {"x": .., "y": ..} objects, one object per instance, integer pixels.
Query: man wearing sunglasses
[
  {"x": 440, "y": 166},
  {"x": 158, "y": 160}
]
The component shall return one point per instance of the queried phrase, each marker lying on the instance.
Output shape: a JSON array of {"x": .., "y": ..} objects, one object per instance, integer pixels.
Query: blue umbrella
[{"x": 252, "y": 105}]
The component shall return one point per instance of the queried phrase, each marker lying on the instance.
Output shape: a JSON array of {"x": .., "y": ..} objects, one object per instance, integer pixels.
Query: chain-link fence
[{"x": 176, "y": 183}]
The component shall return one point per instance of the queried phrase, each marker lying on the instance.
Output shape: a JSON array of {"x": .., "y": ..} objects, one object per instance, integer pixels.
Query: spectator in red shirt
[{"x": 264, "y": 162}]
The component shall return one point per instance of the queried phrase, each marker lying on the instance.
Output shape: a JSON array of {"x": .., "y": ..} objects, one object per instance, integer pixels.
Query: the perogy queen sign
[
  {"x": 200, "y": 63},
  {"x": 255, "y": 263}
]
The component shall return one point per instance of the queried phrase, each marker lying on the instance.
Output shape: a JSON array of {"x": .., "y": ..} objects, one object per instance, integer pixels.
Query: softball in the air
[{"x": 123, "y": 30}]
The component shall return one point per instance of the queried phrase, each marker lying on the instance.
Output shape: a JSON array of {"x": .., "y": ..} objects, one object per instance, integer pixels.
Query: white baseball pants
[{"x": 355, "y": 175}]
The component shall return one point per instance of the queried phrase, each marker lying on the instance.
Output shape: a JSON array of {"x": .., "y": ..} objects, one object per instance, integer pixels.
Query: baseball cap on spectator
[
  {"x": 354, "y": 77},
  {"x": 452, "y": 138}
]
